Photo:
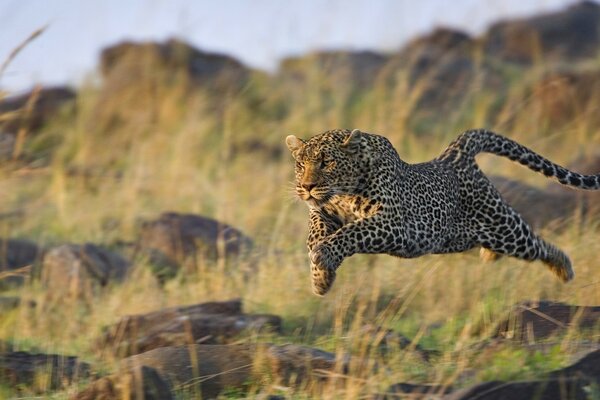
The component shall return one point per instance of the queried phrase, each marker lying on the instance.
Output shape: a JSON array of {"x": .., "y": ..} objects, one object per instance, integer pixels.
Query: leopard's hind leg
[{"x": 510, "y": 235}]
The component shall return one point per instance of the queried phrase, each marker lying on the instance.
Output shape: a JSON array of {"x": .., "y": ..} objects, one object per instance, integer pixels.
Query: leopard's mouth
[{"x": 314, "y": 197}]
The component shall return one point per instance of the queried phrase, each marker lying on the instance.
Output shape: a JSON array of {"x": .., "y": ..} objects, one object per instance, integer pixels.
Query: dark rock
[
  {"x": 554, "y": 389},
  {"x": 140, "y": 382},
  {"x": 141, "y": 79},
  {"x": 205, "y": 370},
  {"x": 16, "y": 259},
  {"x": 387, "y": 340},
  {"x": 208, "y": 323},
  {"x": 337, "y": 68},
  {"x": 45, "y": 104},
  {"x": 298, "y": 363},
  {"x": 183, "y": 237},
  {"x": 412, "y": 391},
  {"x": 209, "y": 369},
  {"x": 570, "y": 34},
  {"x": 22, "y": 368},
  {"x": 79, "y": 270},
  {"x": 562, "y": 97},
  {"x": 537, "y": 206},
  {"x": 7, "y": 146},
  {"x": 537, "y": 320},
  {"x": 133, "y": 62},
  {"x": 588, "y": 367},
  {"x": 17, "y": 253}
]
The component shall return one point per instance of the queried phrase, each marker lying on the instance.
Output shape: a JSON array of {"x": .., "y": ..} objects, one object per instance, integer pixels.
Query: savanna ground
[{"x": 90, "y": 177}]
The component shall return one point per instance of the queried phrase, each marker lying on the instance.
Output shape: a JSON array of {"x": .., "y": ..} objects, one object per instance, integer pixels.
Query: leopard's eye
[{"x": 326, "y": 162}]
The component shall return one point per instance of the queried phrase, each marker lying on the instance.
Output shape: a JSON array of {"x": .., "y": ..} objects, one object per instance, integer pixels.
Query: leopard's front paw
[{"x": 323, "y": 264}]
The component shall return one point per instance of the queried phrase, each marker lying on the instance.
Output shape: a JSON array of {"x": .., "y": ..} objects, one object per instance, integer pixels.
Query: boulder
[
  {"x": 33, "y": 109},
  {"x": 141, "y": 79},
  {"x": 7, "y": 146},
  {"x": 570, "y": 34},
  {"x": 17, "y": 256},
  {"x": 413, "y": 391},
  {"x": 43, "y": 371},
  {"x": 204, "y": 370},
  {"x": 185, "y": 238},
  {"x": 389, "y": 341},
  {"x": 532, "y": 321},
  {"x": 208, "y": 323},
  {"x": 207, "y": 370},
  {"x": 333, "y": 69},
  {"x": 80, "y": 270},
  {"x": 140, "y": 382},
  {"x": 537, "y": 206},
  {"x": 552, "y": 389},
  {"x": 135, "y": 62}
]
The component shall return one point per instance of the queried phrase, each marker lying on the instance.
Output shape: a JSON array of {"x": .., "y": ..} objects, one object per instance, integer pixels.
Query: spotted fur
[{"x": 363, "y": 198}]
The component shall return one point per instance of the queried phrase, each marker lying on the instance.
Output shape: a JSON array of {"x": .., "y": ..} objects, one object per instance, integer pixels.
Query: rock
[
  {"x": 46, "y": 103},
  {"x": 209, "y": 369},
  {"x": 588, "y": 367},
  {"x": 338, "y": 68},
  {"x": 208, "y": 323},
  {"x": 537, "y": 206},
  {"x": 205, "y": 370},
  {"x": 537, "y": 320},
  {"x": 140, "y": 382},
  {"x": 80, "y": 270},
  {"x": 7, "y": 146},
  {"x": 17, "y": 256},
  {"x": 189, "y": 237},
  {"x": 386, "y": 340},
  {"x": 553, "y": 389},
  {"x": 570, "y": 34},
  {"x": 44, "y": 371},
  {"x": 412, "y": 391},
  {"x": 141, "y": 78},
  {"x": 294, "y": 363},
  {"x": 131, "y": 62},
  {"x": 559, "y": 100}
]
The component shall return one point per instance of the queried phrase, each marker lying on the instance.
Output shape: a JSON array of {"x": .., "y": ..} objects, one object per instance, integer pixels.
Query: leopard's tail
[{"x": 473, "y": 142}]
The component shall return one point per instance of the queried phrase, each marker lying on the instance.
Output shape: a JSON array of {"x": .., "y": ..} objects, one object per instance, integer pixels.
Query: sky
[{"x": 257, "y": 32}]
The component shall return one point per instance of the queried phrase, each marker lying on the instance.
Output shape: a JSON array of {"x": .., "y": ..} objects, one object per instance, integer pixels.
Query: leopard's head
[{"x": 328, "y": 164}]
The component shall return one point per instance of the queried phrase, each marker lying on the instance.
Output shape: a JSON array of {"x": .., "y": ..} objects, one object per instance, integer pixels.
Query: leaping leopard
[{"x": 363, "y": 198}]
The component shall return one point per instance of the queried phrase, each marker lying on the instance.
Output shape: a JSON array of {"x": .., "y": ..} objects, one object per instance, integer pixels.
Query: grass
[{"x": 91, "y": 174}]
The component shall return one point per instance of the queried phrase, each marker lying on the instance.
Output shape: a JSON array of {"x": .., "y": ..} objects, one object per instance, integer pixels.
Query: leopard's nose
[{"x": 308, "y": 186}]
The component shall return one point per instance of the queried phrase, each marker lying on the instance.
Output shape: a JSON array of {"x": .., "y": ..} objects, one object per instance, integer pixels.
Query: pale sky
[{"x": 257, "y": 32}]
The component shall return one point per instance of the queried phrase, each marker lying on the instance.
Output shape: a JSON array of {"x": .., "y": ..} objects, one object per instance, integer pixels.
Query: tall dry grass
[{"x": 93, "y": 183}]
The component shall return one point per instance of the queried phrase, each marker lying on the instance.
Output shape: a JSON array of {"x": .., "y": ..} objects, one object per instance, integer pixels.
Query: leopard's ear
[
  {"x": 352, "y": 143},
  {"x": 293, "y": 143}
]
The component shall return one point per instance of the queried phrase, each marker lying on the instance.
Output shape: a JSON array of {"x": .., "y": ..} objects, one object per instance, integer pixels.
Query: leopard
[{"x": 364, "y": 199}]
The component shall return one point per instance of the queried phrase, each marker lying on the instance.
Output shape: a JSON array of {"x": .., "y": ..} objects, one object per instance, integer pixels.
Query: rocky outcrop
[
  {"x": 32, "y": 110},
  {"x": 552, "y": 389},
  {"x": 52, "y": 371},
  {"x": 17, "y": 256},
  {"x": 573, "y": 382},
  {"x": 530, "y": 321},
  {"x": 129, "y": 63},
  {"x": 175, "y": 239},
  {"x": 139, "y": 382},
  {"x": 331, "y": 69},
  {"x": 538, "y": 206},
  {"x": 570, "y": 34},
  {"x": 80, "y": 271},
  {"x": 207, "y": 323}
]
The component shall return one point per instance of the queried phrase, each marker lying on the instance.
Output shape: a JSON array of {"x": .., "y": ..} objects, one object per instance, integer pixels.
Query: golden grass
[{"x": 99, "y": 182}]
